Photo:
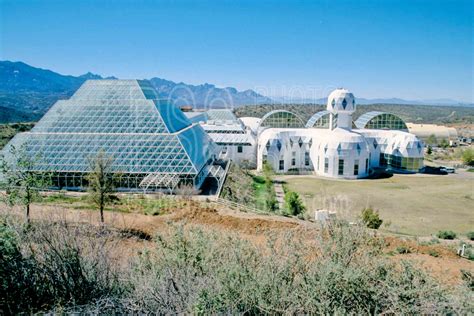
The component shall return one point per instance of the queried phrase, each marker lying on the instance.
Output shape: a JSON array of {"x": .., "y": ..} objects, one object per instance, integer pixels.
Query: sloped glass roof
[
  {"x": 319, "y": 120},
  {"x": 112, "y": 90},
  {"x": 102, "y": 116},
  {"x": 221, "y": 115},
  {"x": 281, "y": 119},
  {"x": 380, "y": 120},
  {"x": 123, "y": 119}
]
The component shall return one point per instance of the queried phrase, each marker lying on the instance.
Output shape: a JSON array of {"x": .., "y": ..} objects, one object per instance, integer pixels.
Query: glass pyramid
[{"x": 124, "y": 118}]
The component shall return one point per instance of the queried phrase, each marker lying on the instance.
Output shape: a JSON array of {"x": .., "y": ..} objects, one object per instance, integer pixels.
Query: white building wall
[
  {"x": 320, "y": 144},
  {"x": 340, "y": 147},
  {"x": 248, "y": 154}
]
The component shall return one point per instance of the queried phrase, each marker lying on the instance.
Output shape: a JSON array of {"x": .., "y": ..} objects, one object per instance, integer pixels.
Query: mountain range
[
  {"x": 27, "y": 92},
  {"x": 363, "y": 101}
]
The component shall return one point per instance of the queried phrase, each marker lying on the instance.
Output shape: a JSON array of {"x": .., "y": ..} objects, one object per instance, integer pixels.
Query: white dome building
[
  {"x": 330, "y": 144},
  {"x": 341, "y": 154},
  {"x": 341, "y": 103},
  {"x": 341, "y": 100}
]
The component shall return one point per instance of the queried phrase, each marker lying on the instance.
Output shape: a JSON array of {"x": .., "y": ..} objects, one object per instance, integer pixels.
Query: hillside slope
[{"x": 27, "y": 92}]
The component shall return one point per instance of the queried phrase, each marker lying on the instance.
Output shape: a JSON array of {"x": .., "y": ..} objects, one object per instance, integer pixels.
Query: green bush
[
  {"x": 470, "y": 235},
  {"x": 271, "y": 202},
  {"x": 371, "y": 218},
  {"x": 293, "y": 203},
  {"x": 433, "y": 253},
  {"x": 468, "y": 156},
  {"x": 446, "y": 234}
]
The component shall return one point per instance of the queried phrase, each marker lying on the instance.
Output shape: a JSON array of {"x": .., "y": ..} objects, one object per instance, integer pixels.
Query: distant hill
[
  {"x": 9, "y": 115},
  {"x": 27, "y": 92},
  {"x": 363, "y": 101},
  {"x": 410, "y": 113},
  {"x": 206, "y": 95}
]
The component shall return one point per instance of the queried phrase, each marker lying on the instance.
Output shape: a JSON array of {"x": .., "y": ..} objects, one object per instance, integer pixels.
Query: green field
[{"x": 412, "y": 204}]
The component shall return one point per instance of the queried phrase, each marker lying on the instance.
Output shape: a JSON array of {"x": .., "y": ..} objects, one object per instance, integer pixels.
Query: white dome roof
[
  {"x": 405, "y": 144},
  {"x": 341, "y": 100}
]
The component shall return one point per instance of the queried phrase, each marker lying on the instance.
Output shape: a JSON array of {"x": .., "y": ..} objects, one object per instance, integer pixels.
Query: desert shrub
[
  {"x": 21, "y": 283},
  {"x": 371, "y": 218},
  {"x": 446, "y": 234},
  {"x": 403, "y": 250},
  {"x": 341, "y": 270},
  {"x": 191, "y": 271},
  {"x": 238, "y": 186},
  {"x": 53, "y": 265},
  {"x": 468, "y": 251},
  {"x": 468, "y": 278},
  {"x": 470, "y": 235},
  {"x": 433, "y": 253},
  {"x": 432, "y": 241}
]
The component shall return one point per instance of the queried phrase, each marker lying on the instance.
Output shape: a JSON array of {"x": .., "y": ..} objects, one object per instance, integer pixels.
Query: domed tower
[{"x": 341, "y": 105}]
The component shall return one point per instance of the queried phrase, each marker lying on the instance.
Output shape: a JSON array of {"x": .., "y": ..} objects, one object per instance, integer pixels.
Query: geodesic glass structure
[{"x": 153, "y": 144}]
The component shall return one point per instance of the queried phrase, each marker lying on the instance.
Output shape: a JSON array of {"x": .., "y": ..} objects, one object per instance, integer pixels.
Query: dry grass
[
  {"x": 251, "y": 227},
  {"x": 413, "y": 204},
  {"x": 204, "y": 261}
]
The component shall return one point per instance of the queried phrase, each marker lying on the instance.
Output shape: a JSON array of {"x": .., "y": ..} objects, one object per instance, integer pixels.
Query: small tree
[
  {"x": 444, "y": 143},
  {"x": 22, "y": 180},
  {"x": 293, "y": 203},
  {"x": 271, "y": 202},
  {"x": 101, "y": 179},
  {"x": 371, "y": 218},
  {"x": 429, "y": 150},
  {"x": 468, "y": 157}
]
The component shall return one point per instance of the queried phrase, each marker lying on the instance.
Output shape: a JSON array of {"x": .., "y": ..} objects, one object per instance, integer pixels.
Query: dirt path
[{"x": 223, "y": 218}]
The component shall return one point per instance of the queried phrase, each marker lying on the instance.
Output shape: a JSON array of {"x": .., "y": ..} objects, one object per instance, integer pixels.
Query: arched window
[
  {"x": 321, "y": 120},
  {"x": 381, "y": 120},
  {"x": 281, "y": 119}
]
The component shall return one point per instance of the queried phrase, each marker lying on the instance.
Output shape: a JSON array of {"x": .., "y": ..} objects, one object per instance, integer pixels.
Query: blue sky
[{"x": 408, "y": 49}]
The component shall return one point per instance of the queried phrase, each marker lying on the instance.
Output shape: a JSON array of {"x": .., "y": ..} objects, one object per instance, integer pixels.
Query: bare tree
[
  {"x": 101, "y": 179},
  {"x": 21, "y": 179}
]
